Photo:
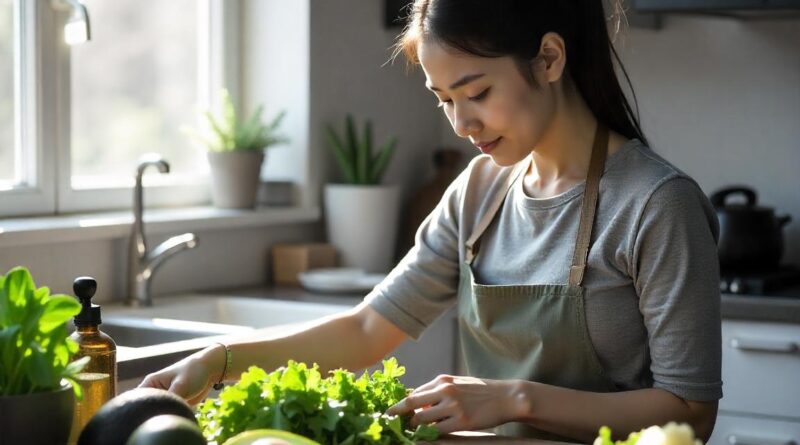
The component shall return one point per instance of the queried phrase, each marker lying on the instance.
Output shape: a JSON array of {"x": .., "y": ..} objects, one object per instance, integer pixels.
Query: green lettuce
[{"x": 339, "y": 409}]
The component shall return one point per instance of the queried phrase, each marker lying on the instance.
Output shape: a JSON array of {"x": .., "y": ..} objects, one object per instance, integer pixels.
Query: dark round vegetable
[
  {"x": 167, "y": 429},
  {"x": 115, "y": 421}
]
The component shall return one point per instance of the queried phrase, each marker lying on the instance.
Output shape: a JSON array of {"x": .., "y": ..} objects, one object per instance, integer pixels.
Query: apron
[{"x": 533, "y": 332}]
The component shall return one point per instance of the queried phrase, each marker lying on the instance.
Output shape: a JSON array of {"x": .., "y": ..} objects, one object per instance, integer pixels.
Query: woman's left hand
[{"x": 455, "y": 403}]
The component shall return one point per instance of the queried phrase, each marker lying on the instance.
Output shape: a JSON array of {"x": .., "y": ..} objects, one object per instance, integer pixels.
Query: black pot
[
  {"x": 750, "y": 237},
  {"x": 43, "y": 418}
]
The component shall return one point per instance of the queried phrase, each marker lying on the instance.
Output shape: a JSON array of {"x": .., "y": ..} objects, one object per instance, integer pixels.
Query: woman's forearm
[
  {"x": 353, "y": 340},
  {"x": 580, "y": 414}
]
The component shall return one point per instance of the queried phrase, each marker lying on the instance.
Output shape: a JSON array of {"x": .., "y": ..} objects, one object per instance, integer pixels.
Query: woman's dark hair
[{"x": 489, "y": 28}]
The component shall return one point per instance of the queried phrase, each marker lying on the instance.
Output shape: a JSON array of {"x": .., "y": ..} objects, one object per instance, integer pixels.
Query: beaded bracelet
[{"x": 221, "y": 383}]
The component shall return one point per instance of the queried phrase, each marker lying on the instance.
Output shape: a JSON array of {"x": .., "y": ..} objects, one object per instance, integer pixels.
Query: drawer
[
  {"x": 761, "y": 368},
  {"x": 741, "y": 430}
]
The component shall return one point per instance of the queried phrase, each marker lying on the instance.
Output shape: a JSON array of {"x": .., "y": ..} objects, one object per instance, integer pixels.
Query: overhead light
[{"x": 77, "y": 29}]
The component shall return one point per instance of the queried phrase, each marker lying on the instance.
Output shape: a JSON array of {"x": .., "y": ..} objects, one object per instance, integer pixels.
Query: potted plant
[
  {"x": 236, "y": 151},
  {"x": 362, "y": 214},
  {"x": 36, "y": 376}
]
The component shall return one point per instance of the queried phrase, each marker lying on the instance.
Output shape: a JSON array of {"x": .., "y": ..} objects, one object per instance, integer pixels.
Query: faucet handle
[{"x": 149, "y": 159}]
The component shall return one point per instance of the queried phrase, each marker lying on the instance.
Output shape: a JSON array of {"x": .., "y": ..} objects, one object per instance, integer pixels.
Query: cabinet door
[
  {"x": 740, "y": 430},
  {"x": 761, "y": 368}
]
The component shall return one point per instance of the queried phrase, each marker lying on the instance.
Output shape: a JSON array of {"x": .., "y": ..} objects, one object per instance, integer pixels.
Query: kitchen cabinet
[{"x": 760, "y": 370}]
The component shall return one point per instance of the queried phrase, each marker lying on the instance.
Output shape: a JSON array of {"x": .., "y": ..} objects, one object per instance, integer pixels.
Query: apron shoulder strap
[
  {"x": 589, "y": 206},
  {"x": 494, "y": 206}
]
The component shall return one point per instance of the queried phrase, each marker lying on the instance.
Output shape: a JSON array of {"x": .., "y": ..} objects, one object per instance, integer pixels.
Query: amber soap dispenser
[{"x": 99, "y": 378}]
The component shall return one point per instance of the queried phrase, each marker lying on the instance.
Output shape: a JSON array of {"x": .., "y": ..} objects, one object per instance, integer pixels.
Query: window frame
[{"x": 44, "y": 113}]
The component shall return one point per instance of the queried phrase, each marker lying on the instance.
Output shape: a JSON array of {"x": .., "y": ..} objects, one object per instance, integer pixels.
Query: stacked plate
[{"x": 339, "y": 280}]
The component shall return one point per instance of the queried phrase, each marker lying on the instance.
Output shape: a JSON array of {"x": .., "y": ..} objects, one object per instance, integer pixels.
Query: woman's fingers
[
  {"x": 435, "y": 413},
  {"x": 414, "y": 401}
]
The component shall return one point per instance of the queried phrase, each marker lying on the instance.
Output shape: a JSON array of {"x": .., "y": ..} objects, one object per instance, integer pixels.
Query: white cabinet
[
  {"x": 761, "y": 384},
  {"x": 744, "y": 430}
]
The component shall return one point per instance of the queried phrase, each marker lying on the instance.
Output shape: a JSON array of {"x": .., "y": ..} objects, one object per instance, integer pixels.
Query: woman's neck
[{"x": 561, "y": 159}]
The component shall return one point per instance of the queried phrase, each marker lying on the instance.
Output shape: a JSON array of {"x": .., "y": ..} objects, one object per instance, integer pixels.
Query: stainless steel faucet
[{"x": 141, "y": 263}]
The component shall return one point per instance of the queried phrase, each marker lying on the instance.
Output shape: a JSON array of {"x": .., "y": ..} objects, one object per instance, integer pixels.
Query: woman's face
[{"x": 488, "y": 101}]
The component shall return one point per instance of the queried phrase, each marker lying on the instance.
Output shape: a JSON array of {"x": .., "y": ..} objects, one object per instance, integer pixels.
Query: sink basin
[
  {"x": 195, "y": 316},
  {"x": 231, "y": 311},
  {"x": 139, "y": 332}
]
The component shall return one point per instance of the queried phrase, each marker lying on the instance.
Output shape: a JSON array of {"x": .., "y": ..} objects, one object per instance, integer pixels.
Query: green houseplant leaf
[
  {"x": 35, "y": 349},
  {"x": 356, "y": 160},
  {"x": 222, "y": 129}
]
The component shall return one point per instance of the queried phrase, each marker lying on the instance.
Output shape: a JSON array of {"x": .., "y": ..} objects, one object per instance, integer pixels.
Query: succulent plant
[
  {"x": 355, "y": 157},
  {"x": 225, "y": 132}
]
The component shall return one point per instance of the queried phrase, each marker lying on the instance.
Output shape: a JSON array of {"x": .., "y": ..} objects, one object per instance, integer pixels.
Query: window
[
  {"x": 8, "y": 156},
  {"x": 75, "y": 119},
  {"x": 139, "y": 78}
]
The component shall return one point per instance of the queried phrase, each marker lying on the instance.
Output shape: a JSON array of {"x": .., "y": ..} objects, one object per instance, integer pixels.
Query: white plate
[{"x": 339, "y": 280}]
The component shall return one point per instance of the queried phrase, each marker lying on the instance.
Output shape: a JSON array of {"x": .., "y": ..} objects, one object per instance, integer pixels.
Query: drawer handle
[
  {"x": 734, "y": 439},
  {"x": 753, "y": 344}
]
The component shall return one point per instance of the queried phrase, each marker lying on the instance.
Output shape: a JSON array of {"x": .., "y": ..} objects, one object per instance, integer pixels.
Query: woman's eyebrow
[{"x": 459, "y": 83}]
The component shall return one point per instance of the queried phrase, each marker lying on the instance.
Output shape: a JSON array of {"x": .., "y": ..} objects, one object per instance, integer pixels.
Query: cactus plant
[{"x": 355, "y": 157}]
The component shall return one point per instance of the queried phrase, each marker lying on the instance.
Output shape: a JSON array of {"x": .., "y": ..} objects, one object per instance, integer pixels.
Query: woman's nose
[{"x": 464, "y": 123}]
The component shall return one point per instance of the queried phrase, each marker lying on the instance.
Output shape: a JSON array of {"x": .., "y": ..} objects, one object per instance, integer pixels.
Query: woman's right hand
[{"x": 192, "y": 377}]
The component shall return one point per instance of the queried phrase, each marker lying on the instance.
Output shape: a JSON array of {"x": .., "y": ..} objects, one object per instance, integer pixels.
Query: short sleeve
[
  {"x": 676, "y": 275},
  {"x": 424, "y": 283}
]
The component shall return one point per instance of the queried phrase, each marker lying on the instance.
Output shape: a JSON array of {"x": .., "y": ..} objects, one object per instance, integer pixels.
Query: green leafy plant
[
  {"x": 355, "y": 157},
  {"x": 339, "y": 409},
  {"x": 35, "y": 349},
  {"x": 225, "y": 132}
]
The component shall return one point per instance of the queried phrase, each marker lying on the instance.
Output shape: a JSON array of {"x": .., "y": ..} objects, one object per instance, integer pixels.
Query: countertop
[{"x": 783, "y": 307}]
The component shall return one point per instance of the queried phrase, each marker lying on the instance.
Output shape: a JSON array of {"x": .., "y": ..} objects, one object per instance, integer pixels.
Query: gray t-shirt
[{"x": 652, "y": 281}]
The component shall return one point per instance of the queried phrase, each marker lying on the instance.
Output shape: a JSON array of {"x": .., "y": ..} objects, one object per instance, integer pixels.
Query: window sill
[{"x": 96, "y": 226}]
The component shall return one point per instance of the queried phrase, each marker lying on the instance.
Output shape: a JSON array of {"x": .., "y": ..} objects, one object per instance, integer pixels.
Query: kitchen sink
[
  {"x": 194, "y": 316},
  {"x": 139, "y": 332}
]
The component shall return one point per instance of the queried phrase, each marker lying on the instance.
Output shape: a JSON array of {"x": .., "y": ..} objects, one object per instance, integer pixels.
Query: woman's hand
[
  {"x": 460, "y": 403},
  {"x": 192, "y": 377}
]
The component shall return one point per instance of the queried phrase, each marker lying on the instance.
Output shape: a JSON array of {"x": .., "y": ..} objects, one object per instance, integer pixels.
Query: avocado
[
  {"x": 167, "y": 429},
  {"x": 114, "y": 422}
]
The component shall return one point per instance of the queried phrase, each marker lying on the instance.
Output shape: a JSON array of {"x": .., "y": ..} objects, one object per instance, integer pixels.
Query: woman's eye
[{"x": 480, "y": 96}]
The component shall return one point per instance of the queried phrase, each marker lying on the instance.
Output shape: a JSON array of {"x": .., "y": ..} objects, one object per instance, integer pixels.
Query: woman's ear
[{"x": 552, "y": 57}]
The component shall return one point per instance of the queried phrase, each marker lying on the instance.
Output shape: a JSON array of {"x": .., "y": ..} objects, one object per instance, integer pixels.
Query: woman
[{"x": 559, "y": 338}]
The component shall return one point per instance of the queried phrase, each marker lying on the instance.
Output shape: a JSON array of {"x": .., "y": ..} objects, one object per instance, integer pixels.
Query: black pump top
[{"x": 84, "y": 288}]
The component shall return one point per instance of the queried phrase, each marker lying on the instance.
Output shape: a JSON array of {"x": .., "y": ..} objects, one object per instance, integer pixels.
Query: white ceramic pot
[
  {"x": 362, "y": 223},
  {"x": 234, "y": 178}
]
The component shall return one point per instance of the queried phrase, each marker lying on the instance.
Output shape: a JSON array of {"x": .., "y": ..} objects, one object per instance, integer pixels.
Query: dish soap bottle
[{"x": 98, "y": 379}]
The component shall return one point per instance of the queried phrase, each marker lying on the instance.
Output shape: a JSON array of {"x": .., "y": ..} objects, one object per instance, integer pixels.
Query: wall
[
  {"x": 349, "y": 49},
  {"x": 222, "y": 260},
  {"x": 720, "y": 98}
]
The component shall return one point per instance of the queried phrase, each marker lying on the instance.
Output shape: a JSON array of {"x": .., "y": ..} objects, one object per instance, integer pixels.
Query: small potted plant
[
  {"x": 362, "y": 214},
  {"x": 236, "y": 151},
  {"x": 36, "y": 376}
]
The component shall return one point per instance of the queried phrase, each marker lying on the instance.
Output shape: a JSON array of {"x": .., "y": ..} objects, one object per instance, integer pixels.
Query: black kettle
[{"x": 750, "y": 237}]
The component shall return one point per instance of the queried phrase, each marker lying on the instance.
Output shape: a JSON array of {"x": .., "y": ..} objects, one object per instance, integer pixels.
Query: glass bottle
[{"x": 98, "y": 379}]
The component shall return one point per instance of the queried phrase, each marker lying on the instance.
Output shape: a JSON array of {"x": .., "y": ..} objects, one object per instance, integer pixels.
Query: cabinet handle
[
  {"x": 734, "y": 439},
  {"x": 754, "y": 344}
]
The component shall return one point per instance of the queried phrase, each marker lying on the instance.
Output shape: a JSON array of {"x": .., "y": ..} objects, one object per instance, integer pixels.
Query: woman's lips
[{"x": 486, "y": 147}]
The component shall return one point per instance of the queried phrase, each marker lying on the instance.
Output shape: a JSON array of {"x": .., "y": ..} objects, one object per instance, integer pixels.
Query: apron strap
[
  {"x": 494, "y": 206},
  {"x": 589, "y": 205}
]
